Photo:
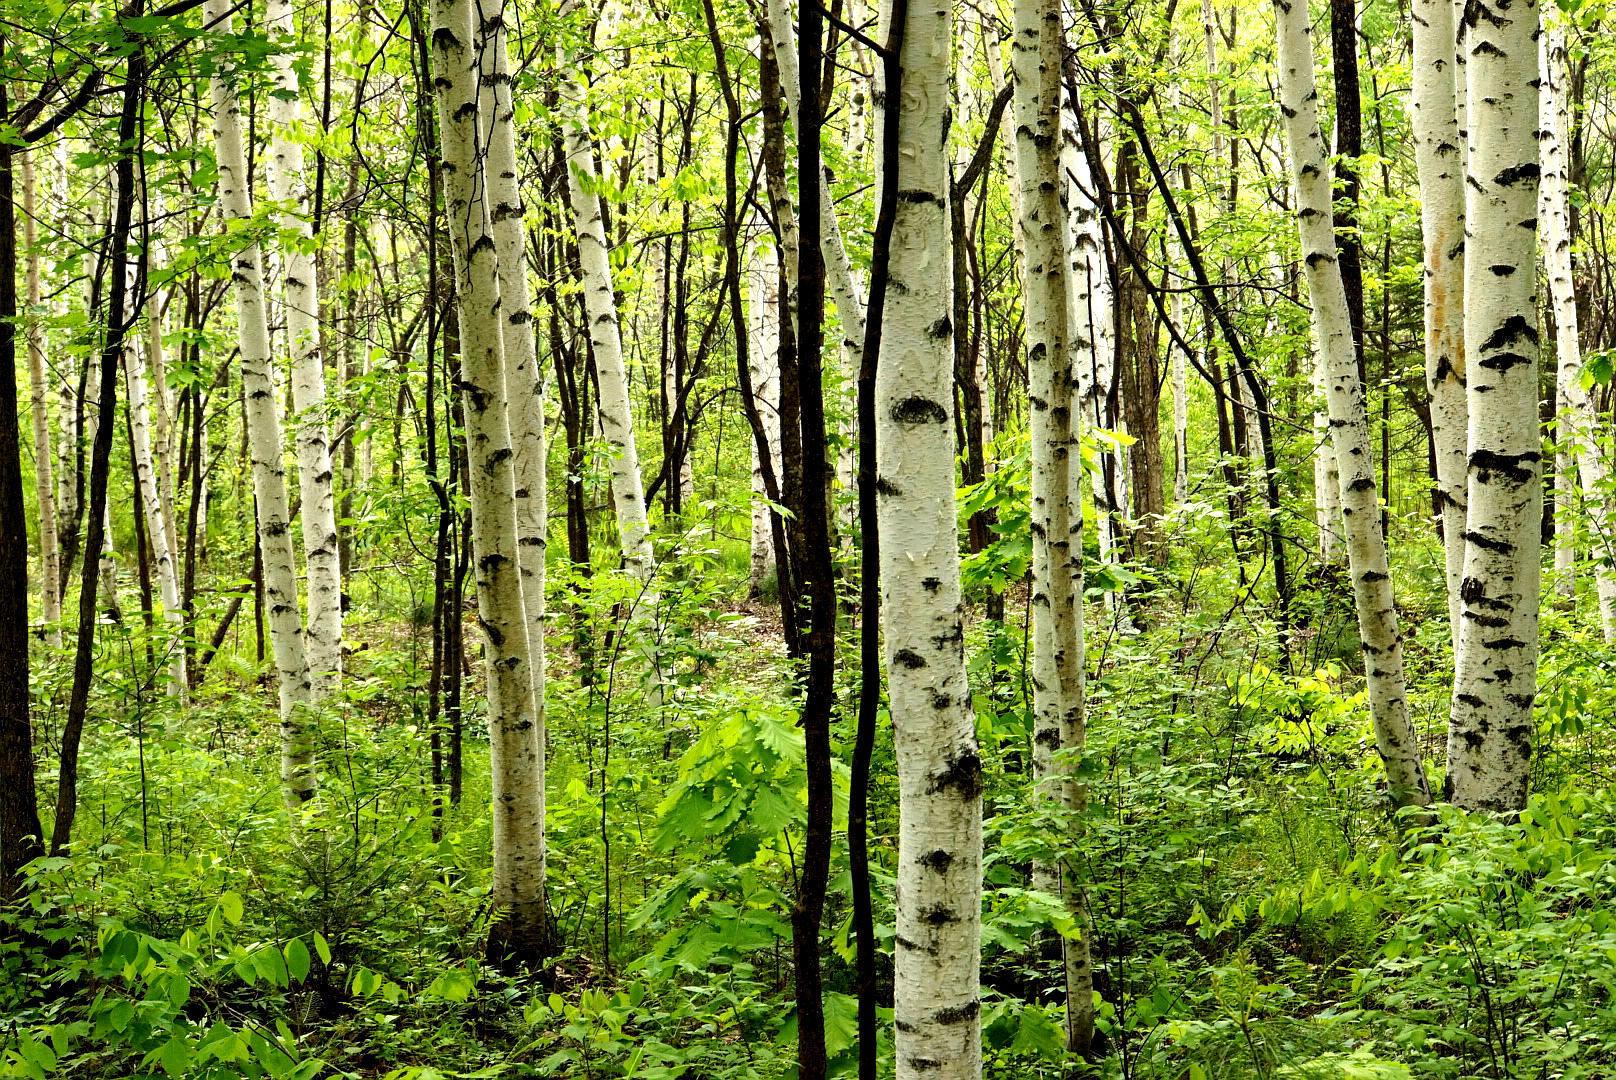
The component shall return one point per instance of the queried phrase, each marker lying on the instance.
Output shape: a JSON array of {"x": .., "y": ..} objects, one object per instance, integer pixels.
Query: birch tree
[
  {"x": 1495, "y": 677},
  {"x": 1051, "y": 311},
  {"x": 150, "y": 502},
  {"x": 1349, "y": 422},
  {"x": 519, "y": 926},
  {"x": 50, "y": 552},
  {"x": 1433, "y": 107},
  {"x": 938, "y": 950},
  {"x": 301, "y": 297},
  {"x": 1579, "y": 425},
  {"x": 615, "y": 414},
  {"x": 264, "y": 438},
  {"x": 521, "y": 785},
  {"x": 763, "y": 316}
]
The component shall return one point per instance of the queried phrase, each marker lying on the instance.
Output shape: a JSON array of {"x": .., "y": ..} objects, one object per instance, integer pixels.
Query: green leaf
[
  {"x": 321, "y": 949},
  {"x": 175, "y": 1057},
  {"x": 297, "y": 959},
  {"x": 233, "y": 909}
]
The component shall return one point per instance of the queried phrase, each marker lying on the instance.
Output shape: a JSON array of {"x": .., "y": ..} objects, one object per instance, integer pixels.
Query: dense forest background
[{"x": 720, "y": 539}]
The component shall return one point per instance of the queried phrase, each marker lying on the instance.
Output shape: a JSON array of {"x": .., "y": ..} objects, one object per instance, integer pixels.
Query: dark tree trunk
[
  {"x": 19, "y": 808},
  {"x": 101, "y": 453},
  {"x": 1349, "y": 147}
]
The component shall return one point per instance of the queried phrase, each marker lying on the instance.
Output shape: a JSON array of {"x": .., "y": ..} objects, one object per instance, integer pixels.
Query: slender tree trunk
[
  {"x": 1438, "y": 152},
  {"x": 1580, "y": 424},
  {"x": 300, "y": 290},
  {"x": 938, "y": 957},
  {"x": 615, "y": 410},
  {"x": 151, "y": 505},
  {"x": 19, "y": 810},
  {"x": 1349, "y": 419},
  {"x": 512, "y": 723},
  {"x": 520, "y": 785},
  {"x": 763, "y": 319},
  {"x": 264, "y": 436},
  {"x": 1053, "y": 330},
  {"x": 118, "y": 243},
  {"x": 50, "y": 555},
  {"x": 1495, "y": 679}
]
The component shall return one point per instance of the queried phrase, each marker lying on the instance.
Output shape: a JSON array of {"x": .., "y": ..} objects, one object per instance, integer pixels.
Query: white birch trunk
[
  {"x": 615, "y": 412},
  {"x": 301, "y": 297},
  {"x": 67, "y": 387},
  {"x": 106, "y": 564},
  {"x": 1438, "y": 158},
  {"x": 512, "y": 721},
  {"x": 1054, "y": 309},
  {"x": 148, "y": 490},
  {"x": 519, "y": 786},
  {"x": 162, "y": 417},
  {"x": 1349, "y": 419},
  {"x": 1579, "y": 423},
  {"x": 763, "y": 318},
  {"x": 50, "y": 552},
  {"x": 938, "y": 948},
  {"x": 264, "y": 440},
  {"x": 1495, "y": 681}
]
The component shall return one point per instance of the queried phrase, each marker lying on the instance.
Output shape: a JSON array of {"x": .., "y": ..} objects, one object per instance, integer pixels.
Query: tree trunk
[
  {"x": 518, "y": 928},
  {"x": 1054, "y": 316},
  {"x": 19, "y": 809},
  {"x": 150, "y": 502},
  {"x": 1438, "y": 149},
  {"x": 264, "y": 436},
  {"x": 1579, "y": 426},
  {"x": 50, "y": 555},
  {"x": 763, "y": 319},
  {"x": 301, "y": 294},
  {"x": 1495, "y": 678},
  {"x": 1349, "y": 419},
  {"x": 938, "y": 957},
  {"x": 519, "y": 786}
]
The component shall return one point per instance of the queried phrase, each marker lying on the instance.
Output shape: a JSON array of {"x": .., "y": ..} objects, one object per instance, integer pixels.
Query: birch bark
[
  {"x": 763, "y": 315},
  {"x": 518, "y": 931},
  {"x": 151, "y": 504},
  {"x": 301, "y": 299},
  {"x": 1495, "y": 679},
  {"x": 50, "y": 552},
  {"x": 1579, "y": 423},
  {"x": 519, "y": 787},
  {"x": 1349, "y": 422},
  {"x": 615, "y": 413},
  {"x": 938, "y": 949},
  {"x": 1052, "y": 305},
  {"x": 1433, "y": 107},
  {"x": 264, "y": 440}
]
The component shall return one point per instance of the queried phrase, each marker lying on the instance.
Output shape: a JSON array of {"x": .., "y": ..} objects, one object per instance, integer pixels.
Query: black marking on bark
[
  {"x": 1487, "y": 48},
  {"x": 1049, "y": 737},
  {"x": 916, "y": 195},
  {"x": 962, "y": 771},
  {"x": 1317, "y": 257},
  {"x": 942, "y": 328},
  {"x": 1516, "y": 467},
  {"x": 939, "y": 915},
  {"x": 1444, "y": 148},
  {"x": 908, "y": 658},
  {"x": 1502, "y": 269},
  {"x": 931, "y": 584},
  {"x": 1469, "y": 699},
  {"x": 923, "y": 1064},
  {"x": 1491, "y": 622},
  {"x": 919, "y": 410},
  {"x": 1527, "y": 170},
  {"x": 938, "y": 861},
  {"x": 883, "y": 486},
  {"x": 1504, "y": 361},
  {"x": 1511, "y": 330},
  {"x": 1472, "y": 739},
  {"x": 1500, "y": 644},
  {"x": 1487, "y": 543},
  {"x": 1363, "y": 483},
  {"x": 1372, "y": 575},
  {"x": 957, "y": 1014}
]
